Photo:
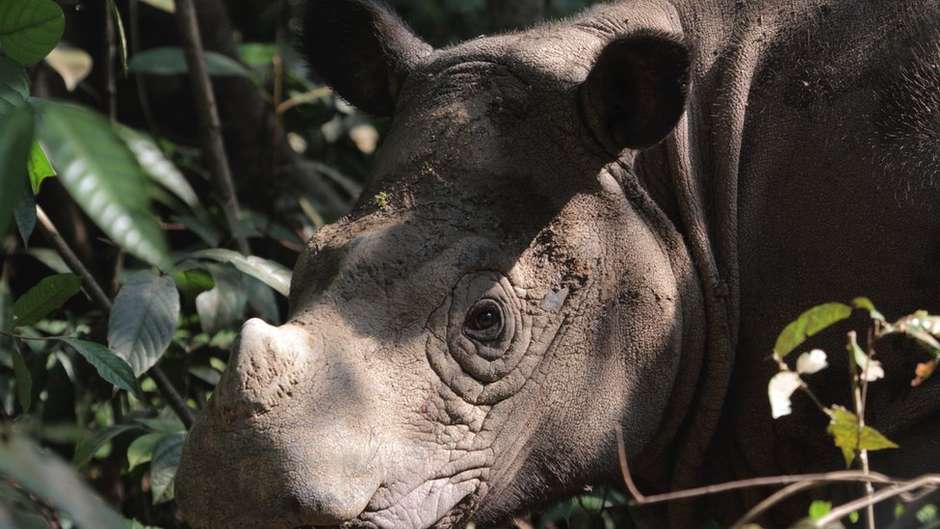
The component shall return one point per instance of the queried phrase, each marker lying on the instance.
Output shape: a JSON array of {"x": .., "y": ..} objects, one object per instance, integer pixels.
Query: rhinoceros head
[{"x": 505, "y": 296}]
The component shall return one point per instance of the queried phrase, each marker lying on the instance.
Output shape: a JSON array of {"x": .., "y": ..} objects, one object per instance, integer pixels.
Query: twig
[
  {"x": 110, "y": 56},
  {"x": 97, "y": 294},
  {"x": 859, "y": 395},
  {"x": 883, "y": 494},
  {"x": 213, "y": 146},
  {"x": 839, "y": 476}
]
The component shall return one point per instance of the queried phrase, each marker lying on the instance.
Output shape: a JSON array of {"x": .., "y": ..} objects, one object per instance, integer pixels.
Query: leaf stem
[
  {"x": 170, "y": 394},
  {"x": 213, "y": 145}
]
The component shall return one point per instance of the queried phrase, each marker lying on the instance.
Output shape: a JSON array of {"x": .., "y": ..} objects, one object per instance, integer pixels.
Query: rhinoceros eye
[{"x": 484, "y": 321}]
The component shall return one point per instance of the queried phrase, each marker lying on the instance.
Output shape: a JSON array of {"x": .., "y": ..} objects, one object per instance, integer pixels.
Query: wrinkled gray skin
[{"x": 646, "y": 194}]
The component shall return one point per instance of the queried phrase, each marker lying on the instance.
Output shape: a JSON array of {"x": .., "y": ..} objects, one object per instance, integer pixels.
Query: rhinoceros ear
[
  {"x": 635, "y": 93},
  {"x": 362, "y": 49}
]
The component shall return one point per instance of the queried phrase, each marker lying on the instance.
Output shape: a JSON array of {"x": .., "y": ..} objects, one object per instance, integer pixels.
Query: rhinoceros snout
[
  {"x": 270, "y": 452},
  {"x": 266, "y": 364}
]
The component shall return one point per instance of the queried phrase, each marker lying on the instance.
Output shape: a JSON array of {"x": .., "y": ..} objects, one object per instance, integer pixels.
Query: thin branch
[
  {"x": 170, "y": 394},
  {"x": 848, "y": 508},
  {"x": 213, "y": 146},
  {"x": 769, "y": 481}
]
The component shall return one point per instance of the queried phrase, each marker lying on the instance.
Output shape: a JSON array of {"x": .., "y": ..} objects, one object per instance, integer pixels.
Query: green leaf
[
  {"x": 819, "y": 508},
  {"x": 268, "y": 272},
  {"x": 24, "y": 379},
  {"x": 164, "y": 5},
  {"x": 49, "y": 258},
  {"x": 38, "y": 167},
  {"x": 25, "y": 215},
  {"x": 109, "y": 365},
  {"x": 145, "y": 314},
  {"x": 16, "y": 135},
  {"x": 843, "y": 427},
  {"x": 257, "y": 53},
  {"x": 224, "y": 305},
  {"x": 140, "y": 450},
  {"x": 86, "y": 449},
  {"x": 29, "y": 30},
  {"x": 48, "y": 295},
  {"x": 14, "y": 85},
  {"x": 809, "y": 323},
  {"x": 166, "y": 459},
  {"x": 157, "y": 166},
  {"x": 854, "y": 516},
  {"x": 45, "y": 475},
  {"x": 193, "y": 281},
  {"x": 866, "y": 304},
  {"x": 102, "y": 175},
  {"x": 171, "y": 61}
]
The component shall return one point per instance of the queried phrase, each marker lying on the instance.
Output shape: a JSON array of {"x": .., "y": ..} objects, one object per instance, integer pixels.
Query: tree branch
[
  {"x": 213, "y": 146},
  {"x": 169, "y": 393}
]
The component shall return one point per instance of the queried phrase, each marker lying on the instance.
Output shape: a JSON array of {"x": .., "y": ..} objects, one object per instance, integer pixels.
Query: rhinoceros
[{"x": 594, "y": 225}]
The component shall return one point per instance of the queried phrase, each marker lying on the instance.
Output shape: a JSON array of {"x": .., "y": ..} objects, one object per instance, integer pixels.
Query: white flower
[
  {"x": 781, "y": 387},
  {"x": 811, "y": 362},
  {"x": 874, "y": 371}
]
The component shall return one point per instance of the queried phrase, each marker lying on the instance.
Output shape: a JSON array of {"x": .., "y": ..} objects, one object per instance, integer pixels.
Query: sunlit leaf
[
  {"x": 140, "y": 450},
  {"x": 72, "y": 64},
  {"x": 91, "y": 443},
  {"x": 808, "y": 324},
  {"x": 170, "y": 60},
  {"x": 145, "y": 314},
  {"x": 193, "y": 281},
  {"x": 166, "y": 459},
  {"x": 866, "y": 304},
  {"x": 109, "y": 365},
  {"x": 157, "y": 165},
  {"x": 49, "y": 258},
  {"x": 844, "y": 428},
  {"x": 268, "y": 272},
  {"x": 38, "y": 167},
  {"x": 16, "y": 135},
  {"x": 51, "y": 479},
  {"x": 49, "y": 294},
  {"x": 102, "y": 175},
  {"x": 29, "y": 30},
  {"x": 164, "y": 5},
  {"x": 819, "y": 508},
  {"x": 257, "y": 53}
]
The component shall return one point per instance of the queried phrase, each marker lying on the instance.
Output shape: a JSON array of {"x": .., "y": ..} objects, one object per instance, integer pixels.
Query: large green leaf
[
  {"x": 109, "y": 365},
  {"x": 171, "y": 61},
  {"x": 102, "y": 175},
  {"x": 92, "y": 442},
  {"x": 25, "y": 215},
  {"x": 166, "y": 459},
  {"x": 809, "y": 323},
  {"x": 51, "y": 479},
  {"x": 157, "y": 166},
  {"x": 14, "y": 85},
  {"x": 30, "y": 29},
  {"x": 844, "y": 428},
  {"x": 268, "y": 272},
  {"x": 16, "y": 135},
  {"x": 145, "y": 314},
  {"x": 48, "y": 295}
]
